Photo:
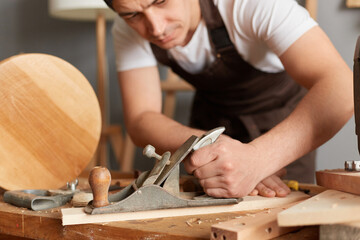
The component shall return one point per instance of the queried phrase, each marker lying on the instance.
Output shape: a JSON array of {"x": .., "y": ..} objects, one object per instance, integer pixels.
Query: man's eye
[
  {"x": 134, "y": 15},
  {"x": 131, "y": 16},
  {"x": 158, "y": 2}
]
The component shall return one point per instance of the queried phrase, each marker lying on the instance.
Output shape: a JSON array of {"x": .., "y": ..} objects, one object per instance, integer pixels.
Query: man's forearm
[{"x": 318, "y": 117}]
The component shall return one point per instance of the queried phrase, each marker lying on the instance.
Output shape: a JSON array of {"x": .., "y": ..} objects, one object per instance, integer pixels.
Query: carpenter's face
[{"x": 166, "y": 23}]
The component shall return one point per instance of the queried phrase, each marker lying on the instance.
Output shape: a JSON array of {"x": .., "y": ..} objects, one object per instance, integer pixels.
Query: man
[{"x": 250, "y": 62}]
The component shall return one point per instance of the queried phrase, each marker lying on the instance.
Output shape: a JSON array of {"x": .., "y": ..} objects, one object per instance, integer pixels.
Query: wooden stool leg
[{"x": 126, "y": 163}]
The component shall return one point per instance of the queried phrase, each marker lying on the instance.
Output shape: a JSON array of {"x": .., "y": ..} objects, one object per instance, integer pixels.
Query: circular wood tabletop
[{"x": 50, "y": 122}]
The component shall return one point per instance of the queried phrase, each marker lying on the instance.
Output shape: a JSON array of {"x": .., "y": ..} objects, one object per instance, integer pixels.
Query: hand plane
[{"x": 155, "y": 189}]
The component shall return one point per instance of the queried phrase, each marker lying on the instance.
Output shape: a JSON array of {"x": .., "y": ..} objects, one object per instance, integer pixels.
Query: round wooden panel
[{"x": 50, "y": 122}]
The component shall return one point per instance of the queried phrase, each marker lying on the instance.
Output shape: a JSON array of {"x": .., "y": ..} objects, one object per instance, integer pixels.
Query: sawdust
[
  {"x": 250, "y": 215},
  {"x": 192, "y": 221}
]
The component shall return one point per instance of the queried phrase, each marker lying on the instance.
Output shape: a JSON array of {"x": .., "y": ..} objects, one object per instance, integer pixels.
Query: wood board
[
  {"x": 47, "y": 225},
  {"x": 260, "y": 225},
  {"x": 49, "y": 123},
  {"x": 340, "y": 231},
  {"x": 74, "y": 216},
  {"x": 328, "y": 207},
  {"x": 339, "y": 179},
  {"x": 353, "y": 3}
]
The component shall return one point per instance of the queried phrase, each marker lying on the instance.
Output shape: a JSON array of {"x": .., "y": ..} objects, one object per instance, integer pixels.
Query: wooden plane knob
[{"x": 99, "y": 180}]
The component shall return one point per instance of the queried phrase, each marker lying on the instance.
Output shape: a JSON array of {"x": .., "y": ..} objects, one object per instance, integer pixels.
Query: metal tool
[
  {"x": 355, "y": 165},
  {"x": 352, "y": 166},
  {"x": 357, "y": 90},
  {"x": 158, "y": 188},
  {"x": 36, "y": 199}
]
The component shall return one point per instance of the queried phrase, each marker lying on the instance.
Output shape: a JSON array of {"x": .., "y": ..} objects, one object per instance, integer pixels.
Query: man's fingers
[
  {"x": 216, "y": 192},
  {"x": 208, "y": 170},
  {"x": 254, "y": 192},
  {"x": 227, "y": 186},
  {"x": 283, "y": 186},
  {"x": 199, "y": 158},
  {"x": 265, "y": 191},
  {"x": 276, "y": 184},
  {"x": 213, "y": 182}
]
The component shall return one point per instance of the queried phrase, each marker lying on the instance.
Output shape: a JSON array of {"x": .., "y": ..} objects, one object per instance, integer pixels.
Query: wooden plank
[
  {"x": 312, "y": 188},
  {"x": 127, "y": 160},
  {"x": 50, "y": 122},
  {"x": 339, "y": 179},
  {"x": 328, "y": 207},
  {"x": 260, "y": 225},
  {"x": 340, "y": 231},
  {"x": 72, "y": 216},
  {"x": 47, "y": 225},
  {"x": 353, "y": 3},
  {"x": 169, "y": 104},
  {"x": 8, "y": 237}
]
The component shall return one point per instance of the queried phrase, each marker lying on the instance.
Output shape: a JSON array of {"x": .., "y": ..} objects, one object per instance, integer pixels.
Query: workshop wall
[
  {"x": 342, "y": 25},
  {"x": 25, "y": 27}
]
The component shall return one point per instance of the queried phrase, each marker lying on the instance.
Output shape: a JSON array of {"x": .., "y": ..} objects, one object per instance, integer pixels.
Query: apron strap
[{"x": 217, "y": 31}]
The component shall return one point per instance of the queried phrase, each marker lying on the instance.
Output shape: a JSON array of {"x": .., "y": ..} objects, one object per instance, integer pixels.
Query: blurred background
[{"x": 27, "y": 27}]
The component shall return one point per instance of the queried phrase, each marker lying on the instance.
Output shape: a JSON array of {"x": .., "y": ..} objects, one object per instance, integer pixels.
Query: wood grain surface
[
  {"x": 74, "y": 216},
  {"x": 47, "y": 225},
  {"x": 339, "y": 179},
  {"x": 328, "y": 207},
  {"x": 260, "y": 225},
  {"x": 49, "y": 122}
]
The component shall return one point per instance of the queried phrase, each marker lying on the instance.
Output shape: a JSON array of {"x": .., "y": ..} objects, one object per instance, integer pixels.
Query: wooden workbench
[
  {"x": 21, "y": 222},
  {"x": 24, "y": 223}
]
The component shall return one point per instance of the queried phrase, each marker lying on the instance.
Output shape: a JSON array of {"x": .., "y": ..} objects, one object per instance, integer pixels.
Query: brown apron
[{"x": 233, "y": 94}]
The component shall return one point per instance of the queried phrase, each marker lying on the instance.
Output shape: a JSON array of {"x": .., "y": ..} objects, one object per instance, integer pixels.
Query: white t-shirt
[{"x": 261, "y": 31}]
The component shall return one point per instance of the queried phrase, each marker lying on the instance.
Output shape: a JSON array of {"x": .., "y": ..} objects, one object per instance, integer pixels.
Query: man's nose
[{"x": 155, "y": 22}]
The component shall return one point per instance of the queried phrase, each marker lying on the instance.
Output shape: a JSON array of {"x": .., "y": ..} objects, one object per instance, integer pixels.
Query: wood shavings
[
  {"x": 191, "y": 221},
  {"x": 250, "y": 215},
  {"x": 189, "y": 224},
  {"x": 81, "y": 199}
]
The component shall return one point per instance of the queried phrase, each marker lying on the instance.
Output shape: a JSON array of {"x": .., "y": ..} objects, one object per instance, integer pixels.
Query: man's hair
[{"x": 109, "y": 3}]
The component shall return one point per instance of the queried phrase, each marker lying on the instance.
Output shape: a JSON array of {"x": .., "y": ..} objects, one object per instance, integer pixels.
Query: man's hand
[
  {"x": 272, "y": 186},
  {"x": 227, "y": 168}
]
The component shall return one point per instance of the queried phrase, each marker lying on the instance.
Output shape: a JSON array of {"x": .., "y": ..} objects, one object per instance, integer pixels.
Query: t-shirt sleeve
[
  {"x": 279, "y": 23},
  {"x": 131, "y": 50}
]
